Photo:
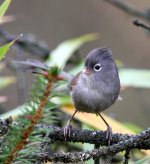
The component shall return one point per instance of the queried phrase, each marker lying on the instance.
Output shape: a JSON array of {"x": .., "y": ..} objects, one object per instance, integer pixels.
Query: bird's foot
[
  {"x": 67, "y": 131},
  {"x": 109, "y": 135}
]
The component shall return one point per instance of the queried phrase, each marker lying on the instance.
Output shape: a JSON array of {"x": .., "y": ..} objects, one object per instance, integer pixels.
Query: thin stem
[{"x": 141, "y": 24}]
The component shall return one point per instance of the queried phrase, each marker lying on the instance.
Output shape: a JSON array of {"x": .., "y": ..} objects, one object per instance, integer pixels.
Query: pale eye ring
[{"x": 97, "y": 67}]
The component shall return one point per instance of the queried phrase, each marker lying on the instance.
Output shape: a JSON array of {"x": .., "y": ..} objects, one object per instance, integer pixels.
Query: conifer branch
[
  {"x": 128, "y": 142},
  {"x": 34, "y": 120}
]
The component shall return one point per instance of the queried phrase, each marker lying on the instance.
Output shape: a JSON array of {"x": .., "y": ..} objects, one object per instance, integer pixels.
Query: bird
[{"x": 94, "y": 89}]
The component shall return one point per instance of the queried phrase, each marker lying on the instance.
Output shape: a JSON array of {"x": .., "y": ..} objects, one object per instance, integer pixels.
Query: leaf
[
  {"x": 5, "y": 81},
  {"x": 4, "y": 7},
  {"x": 63, "y": 52},
  {"x": 4, "y": 49},
  {"x": 130, "y": 77}
]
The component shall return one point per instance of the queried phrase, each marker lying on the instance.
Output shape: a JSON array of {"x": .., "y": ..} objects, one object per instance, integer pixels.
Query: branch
[
  {"x": 129, "y": 9},
  {"x": 88, "y": 136},
  {"x": 140, "y": 24},
  {"x": 120, "y": 142},
  {"x": 27, "y": 43},
  {"x": 131, "y": 143},
  {"x": 35, "y": 118}
]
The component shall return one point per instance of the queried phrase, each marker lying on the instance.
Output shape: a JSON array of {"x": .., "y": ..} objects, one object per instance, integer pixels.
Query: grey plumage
[
  {"x": 98, "y": 90},
  {"x": 93, "y": 92}
]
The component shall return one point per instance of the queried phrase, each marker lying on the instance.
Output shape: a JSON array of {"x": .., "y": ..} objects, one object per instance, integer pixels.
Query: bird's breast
[{"x": 88, "y": 99}]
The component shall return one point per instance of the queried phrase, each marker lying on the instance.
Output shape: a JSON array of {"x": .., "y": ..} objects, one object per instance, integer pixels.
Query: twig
[
  {"x": 129, "y": 9},
  {"x": 140, "y": 24},
  {"x": 27, "y": 43},
  {"x": 91, "y": 137},
  {"x": 130, "y": 143}
]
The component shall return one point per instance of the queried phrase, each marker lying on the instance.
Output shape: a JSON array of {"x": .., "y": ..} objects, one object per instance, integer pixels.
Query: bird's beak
[{"x": 86, "y": 71}]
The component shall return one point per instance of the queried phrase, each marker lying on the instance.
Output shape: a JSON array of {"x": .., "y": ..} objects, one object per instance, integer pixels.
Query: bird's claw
[
  {"x": 109, "y": 135},
  {"x": 67, "y": 131}
]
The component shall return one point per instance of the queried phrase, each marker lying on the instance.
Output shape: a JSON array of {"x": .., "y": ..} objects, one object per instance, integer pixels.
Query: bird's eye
[{"x": 97, "y": 67}]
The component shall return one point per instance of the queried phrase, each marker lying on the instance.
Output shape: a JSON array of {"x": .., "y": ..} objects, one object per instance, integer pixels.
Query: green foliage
[
  {"x": 24, "y": 121},
  {"x": 54, "y": 70},
  {"x": 5, "y": 81},
  {"x": 4, "y": 7},
  {"x": 4, "y": 49}
]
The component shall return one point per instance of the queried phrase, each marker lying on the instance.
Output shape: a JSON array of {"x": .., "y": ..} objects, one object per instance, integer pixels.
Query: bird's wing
[{"x": 73, "y": 81}]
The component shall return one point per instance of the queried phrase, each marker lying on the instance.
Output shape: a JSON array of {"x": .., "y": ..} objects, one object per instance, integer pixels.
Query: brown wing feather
[{"x": 73, "y": 81}]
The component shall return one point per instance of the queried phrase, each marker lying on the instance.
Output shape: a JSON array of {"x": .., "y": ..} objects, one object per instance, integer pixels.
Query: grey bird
[{"x": 96, "y": 87}]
